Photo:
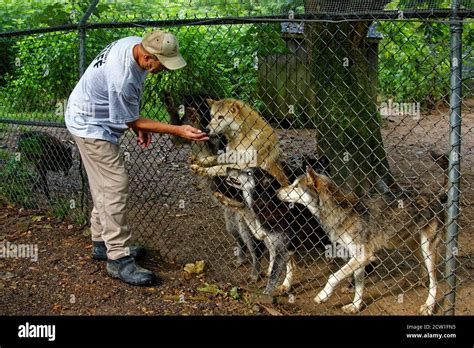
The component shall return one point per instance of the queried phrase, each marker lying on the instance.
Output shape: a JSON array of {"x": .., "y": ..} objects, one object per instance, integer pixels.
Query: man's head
[{"x": 158, "y": 51}]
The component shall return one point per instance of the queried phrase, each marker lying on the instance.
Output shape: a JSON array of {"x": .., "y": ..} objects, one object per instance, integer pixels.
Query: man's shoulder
[
  {"x": 129, "y": 40},
  {"x": 120, "y": 64}
]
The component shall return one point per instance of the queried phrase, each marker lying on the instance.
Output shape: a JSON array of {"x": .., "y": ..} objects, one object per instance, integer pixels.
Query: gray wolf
[
  {"x": 364, "y": 225},
  {"x": 197, "y": 113},
  {"x": 283, "y": 227},
  {"x": 249, "y": 141}
]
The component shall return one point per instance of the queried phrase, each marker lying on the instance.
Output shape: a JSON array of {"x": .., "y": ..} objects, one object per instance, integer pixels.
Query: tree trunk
[{"x": 345, "y": 100}]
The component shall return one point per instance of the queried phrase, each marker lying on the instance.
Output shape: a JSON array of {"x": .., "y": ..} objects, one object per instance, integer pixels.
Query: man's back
[{"x": 108, "y": 94}]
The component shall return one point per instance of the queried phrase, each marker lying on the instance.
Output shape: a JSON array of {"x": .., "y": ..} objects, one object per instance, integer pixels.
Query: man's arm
[{"x": 184, "y": 131}]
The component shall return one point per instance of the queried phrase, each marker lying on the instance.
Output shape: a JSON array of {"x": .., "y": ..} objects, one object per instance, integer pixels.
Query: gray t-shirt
[{"x": 108, "y": 94}]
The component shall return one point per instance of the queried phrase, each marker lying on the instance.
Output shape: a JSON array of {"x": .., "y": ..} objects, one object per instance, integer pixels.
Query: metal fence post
[
  {"x": 454, "y": 159},
  {"x": 82, "y": 68},
  {"x": 82, "y": 36}
]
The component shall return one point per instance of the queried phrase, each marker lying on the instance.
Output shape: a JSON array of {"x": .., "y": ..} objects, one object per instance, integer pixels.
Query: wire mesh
[{"x": 362, "y": 102}]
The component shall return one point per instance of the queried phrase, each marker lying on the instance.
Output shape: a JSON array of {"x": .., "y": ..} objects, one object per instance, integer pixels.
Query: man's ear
[
  {"x": 192, "y": 115},
  {"x": 148, "y": 57},
  {"x": 210, "y": 101}
]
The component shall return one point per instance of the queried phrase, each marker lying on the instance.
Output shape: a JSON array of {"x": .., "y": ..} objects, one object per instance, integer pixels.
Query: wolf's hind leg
[
  {"x": 232, "y": 226},
  {"x": 290, "y": 274},
  {"x": 252, "y": 246},
  {"x": 271, "y": 254},
  {"x": 280, "y": 253},
  {"x": 429, "y": 256}
]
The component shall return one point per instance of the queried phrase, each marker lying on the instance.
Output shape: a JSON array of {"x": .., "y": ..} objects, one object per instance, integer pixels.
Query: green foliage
[
  {"x": 42, "y": 77},
  {"x": 221, "y": 61},
  {"x": 38, "y": 72},
  {"x": 414, "y": 62},
  {"x": 17, "y": 181}
]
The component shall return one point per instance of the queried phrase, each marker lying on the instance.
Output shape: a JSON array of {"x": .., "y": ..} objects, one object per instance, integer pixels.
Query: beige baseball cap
[{"x": 164, "y": 46}]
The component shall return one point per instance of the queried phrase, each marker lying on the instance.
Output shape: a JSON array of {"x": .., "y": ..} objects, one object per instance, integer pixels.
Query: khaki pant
[{"x": 108, "y": 181}]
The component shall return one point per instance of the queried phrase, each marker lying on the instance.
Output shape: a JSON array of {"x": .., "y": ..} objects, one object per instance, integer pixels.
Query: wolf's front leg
[
  {"x": 350, "y": 267},
  {"x": 207, "y": 161},
  {"x": 429, "y": 255},
  {"x": 229, "y": 202},
  {"x": 356, "y": 304},
  {"x": 219, "y": 170}
]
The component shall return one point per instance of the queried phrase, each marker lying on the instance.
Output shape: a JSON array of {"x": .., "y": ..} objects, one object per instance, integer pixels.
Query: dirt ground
[
  {"x": 66, "y": 281},
  {"x": 172, "y": 213}
]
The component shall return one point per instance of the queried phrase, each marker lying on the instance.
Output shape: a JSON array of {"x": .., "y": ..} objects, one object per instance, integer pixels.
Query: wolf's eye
[{"x": 220, "y": 117}]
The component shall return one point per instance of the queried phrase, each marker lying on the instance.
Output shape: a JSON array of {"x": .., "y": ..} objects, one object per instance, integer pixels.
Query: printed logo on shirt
[{"x": 102, "y": 57}]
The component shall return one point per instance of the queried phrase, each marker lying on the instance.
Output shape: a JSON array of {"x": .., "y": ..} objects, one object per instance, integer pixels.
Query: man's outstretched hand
[
  {"x": 143, "y": 127},
  {"x": 191, "y": 133}
]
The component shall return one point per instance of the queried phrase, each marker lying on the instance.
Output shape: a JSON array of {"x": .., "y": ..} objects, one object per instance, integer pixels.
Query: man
[{"x": 103, "y": 105}]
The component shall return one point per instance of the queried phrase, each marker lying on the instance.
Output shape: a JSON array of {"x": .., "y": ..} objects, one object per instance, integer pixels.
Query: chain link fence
[{"x": 367, "y": 93}]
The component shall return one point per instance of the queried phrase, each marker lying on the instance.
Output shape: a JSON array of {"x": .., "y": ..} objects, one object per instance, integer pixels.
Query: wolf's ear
[
  {"x": 210, "y": 101},
  {"x": 314, "y": 179},
  {"x": 235, "y": 107},
  {"x": 311, "y": 174},
  {"x": 191, "y": 113}
]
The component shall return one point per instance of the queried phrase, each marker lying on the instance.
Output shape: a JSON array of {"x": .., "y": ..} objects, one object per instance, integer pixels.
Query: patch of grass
[
  {"x": 81, "y": 219},
  {"x": 61, "y": 209}
]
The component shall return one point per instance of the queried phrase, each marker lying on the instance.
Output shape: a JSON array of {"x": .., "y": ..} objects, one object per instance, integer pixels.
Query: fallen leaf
[
  {"x": 196, "y": 268},
  {"x": 211, "y": 289},
  {"x": 272, "y": 311},
  {"x": 234, "y": 293},
  {"x": 37, "y": 218},
  {"x": 6, "y": 275}
]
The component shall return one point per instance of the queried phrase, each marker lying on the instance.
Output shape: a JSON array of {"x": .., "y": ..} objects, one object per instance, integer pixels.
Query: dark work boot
[
  {"x": 99, "y": 251},
  {"x": 128, "y": 271}
]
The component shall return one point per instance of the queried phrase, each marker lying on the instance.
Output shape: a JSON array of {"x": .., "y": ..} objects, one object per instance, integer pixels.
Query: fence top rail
[{"x": 321, "y": 17}]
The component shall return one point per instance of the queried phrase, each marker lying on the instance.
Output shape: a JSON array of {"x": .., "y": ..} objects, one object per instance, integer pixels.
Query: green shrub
[{"x": 414, "y": 62}]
